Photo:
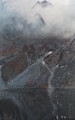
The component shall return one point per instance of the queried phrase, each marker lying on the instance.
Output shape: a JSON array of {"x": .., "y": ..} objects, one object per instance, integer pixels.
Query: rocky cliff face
[
  {"x": 17, "y": 60},
  {"x": 39, "y": 83}
]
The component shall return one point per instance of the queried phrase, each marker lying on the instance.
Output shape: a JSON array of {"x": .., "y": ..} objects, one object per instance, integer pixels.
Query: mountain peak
[{"x": 43, "y": 3}]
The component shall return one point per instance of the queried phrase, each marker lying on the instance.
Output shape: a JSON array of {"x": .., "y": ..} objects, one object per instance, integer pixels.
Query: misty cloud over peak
[{"x": 59, "y": 19}]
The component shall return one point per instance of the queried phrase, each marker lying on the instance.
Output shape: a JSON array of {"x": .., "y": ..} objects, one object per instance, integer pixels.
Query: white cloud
[{"x": 59, "y": 18}]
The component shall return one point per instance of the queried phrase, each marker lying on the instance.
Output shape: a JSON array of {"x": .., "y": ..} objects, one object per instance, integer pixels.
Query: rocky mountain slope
[{"x": 41, "y": 80}]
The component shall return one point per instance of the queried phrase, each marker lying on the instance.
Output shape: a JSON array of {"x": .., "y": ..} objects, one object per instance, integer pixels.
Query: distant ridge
[{"x": 43, "y": 3}]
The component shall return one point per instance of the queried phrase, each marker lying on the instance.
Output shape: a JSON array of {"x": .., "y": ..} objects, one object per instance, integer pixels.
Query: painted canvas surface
[{"x": 37, "y": 59}]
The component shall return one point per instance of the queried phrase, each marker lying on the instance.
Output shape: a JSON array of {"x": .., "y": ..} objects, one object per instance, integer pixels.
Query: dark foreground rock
[
  {"x": 12, "y": 68},
  {"x": 41, "y": 90},
  {"x": 25, "y": 56}
]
